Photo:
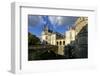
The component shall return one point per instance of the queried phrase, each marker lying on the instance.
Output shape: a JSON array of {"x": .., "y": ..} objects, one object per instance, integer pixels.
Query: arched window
[
  {"x": 57, "y": 42},
  {"x": 63, "y": 42},
  {"x": 60, "y": 42}
]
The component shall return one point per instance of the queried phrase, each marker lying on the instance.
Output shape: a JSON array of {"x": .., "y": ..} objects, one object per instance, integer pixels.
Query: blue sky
[{"x": 57, "y": 23}]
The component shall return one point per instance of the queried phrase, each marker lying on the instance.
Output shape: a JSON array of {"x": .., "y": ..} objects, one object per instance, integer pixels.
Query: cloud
[
  {"x": 54, "y": 21},
  {"x": 62, "y": 20},
  {"x": 34, "y": 20}
]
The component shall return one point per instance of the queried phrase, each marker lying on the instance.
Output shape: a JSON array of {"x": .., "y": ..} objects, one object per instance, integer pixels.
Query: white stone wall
[
  {"x": 72, "y": 32},
  {"x": 49, "y": 37},
  {"x": 53, "y": 39},
  {"x": 80, "y": 23},
  {"x": 60, "y": 46},
  {"x": 60, "y": 50},
  {"x": 43, "y": 36},
  {"x": 67, "y": 37}
]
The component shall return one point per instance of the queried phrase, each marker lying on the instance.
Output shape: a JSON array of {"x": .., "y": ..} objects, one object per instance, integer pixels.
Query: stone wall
[
  {"x": 78, "y": 48},
  {"x": 81, "y": 43}
]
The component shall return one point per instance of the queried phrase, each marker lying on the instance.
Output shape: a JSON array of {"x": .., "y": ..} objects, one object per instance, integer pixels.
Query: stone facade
[
  {"x": 78, "y": 48},
  {"x": 54, "y": 38},
  {"x": 81, "y": 44},
  {"x": 74, "y": 43},
  {"x": 81, "y": 41}
]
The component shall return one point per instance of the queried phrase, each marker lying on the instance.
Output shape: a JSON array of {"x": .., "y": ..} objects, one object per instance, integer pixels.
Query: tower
[
  {"x": 44, "y": 35},
  {"x": 67, "y": 35},
  {"x": 72, "y": 33},
  {"x": 46, "y": 29},
  {"x": 53, "y": 39}
]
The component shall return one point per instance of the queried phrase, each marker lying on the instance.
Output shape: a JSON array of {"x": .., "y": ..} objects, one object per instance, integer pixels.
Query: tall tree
[{"x": 32, "y": 39}]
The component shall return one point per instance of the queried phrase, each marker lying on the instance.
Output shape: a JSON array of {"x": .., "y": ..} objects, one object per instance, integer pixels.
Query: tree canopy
[{"x": 33, "y": 40}]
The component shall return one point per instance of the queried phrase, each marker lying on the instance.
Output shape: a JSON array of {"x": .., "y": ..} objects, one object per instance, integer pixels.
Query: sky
[{"x": 56, "y": 23}]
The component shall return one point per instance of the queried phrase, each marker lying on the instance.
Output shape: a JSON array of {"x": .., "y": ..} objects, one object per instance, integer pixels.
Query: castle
[{"x": 55, "y": 38}]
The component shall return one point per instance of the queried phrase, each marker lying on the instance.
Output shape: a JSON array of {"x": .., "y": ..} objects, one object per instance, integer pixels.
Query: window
[
  {"x": 60, "y": 42},
  {"x": 63, "y": 42},
  {"x": 57, "y": 42}
]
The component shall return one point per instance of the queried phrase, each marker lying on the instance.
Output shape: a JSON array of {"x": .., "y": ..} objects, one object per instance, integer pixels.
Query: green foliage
[
  {"x": 33, "y": 40},
  {"x": 43, "y": 55}
]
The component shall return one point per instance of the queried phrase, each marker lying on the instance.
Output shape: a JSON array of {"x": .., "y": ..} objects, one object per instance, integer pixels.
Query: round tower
[{"x": 44, "y": 35}]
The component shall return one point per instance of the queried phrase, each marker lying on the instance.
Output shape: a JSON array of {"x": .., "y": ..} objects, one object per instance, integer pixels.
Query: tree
[{"x": 33, "y": 40}]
